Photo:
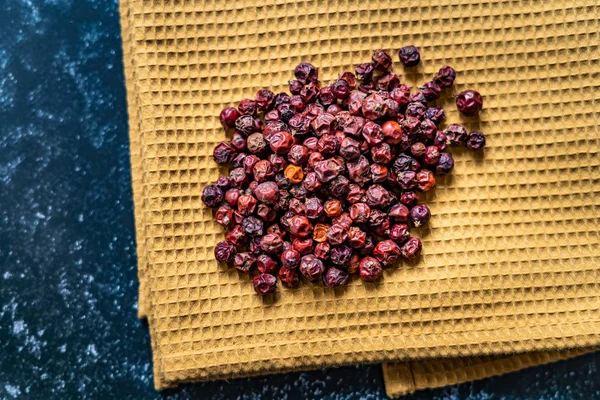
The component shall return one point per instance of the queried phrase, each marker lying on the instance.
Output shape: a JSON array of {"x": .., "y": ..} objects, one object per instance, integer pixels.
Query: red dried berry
[
  {"x": 244, "y": 262},
  {"x": 264, "y": 284},
  {"x": 311, "y": 267},
  {"x": 228, "y": 117},
  {"x": 386, "y": 252},
  {"x": 412, "y": 248},
  {"x": 224, "y": 252},
  {"x": 289, "y": 277},
  {"x": 335, "y": 277},
  {"x": 469, "y": 102},
  {"x": 409, "y": 56},
  {"x": 419, "y": 215},
  {"x": 370, "y": 269}
]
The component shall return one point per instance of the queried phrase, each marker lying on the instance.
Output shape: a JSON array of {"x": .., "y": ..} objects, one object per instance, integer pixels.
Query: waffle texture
[{"x": 511, "y": 256}]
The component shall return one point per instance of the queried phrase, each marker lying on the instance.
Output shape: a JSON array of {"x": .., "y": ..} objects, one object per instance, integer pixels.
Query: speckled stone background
[{"x": 68, "y": 286}]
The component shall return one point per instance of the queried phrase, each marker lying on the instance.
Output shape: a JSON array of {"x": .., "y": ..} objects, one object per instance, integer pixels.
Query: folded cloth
[{"x": 510, "y": 259}]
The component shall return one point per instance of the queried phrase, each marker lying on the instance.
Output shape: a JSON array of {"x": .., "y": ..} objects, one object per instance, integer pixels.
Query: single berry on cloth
[
  {"x": 324, "y": 182},
  {"x": 469, "y": 102},
  {"x": 409, "y": 55}
]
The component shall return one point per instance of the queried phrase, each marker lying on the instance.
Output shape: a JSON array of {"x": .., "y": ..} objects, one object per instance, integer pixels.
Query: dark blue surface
[{"x": 68, "y": 285}]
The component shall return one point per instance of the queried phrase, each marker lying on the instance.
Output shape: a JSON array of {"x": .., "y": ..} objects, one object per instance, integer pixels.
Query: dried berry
[
  {"x": 244, "y": 262},
  {"x": 264, "y": 284},
  {"x": 341, "y": 89},
  {"x": 252, "y": 226},
  {"x": 232, "y": 196},
  {"x": 379, "y": 173},
  {"x": 445, "y": 76},
  {"x": 456, "y": 134},
  {"x": 311, "y": 267},
  {"x": 224, "y": 252},
  {"x": 469, "y": 102},
  {"x": 432, "y": 155},
  {"x": 263, "y": 170},
  {"x": 335, "y": 277},
  {"x": 419, "y": 215},
  {"x": 337, "y": 234},
  {"x": 392, "y": 132},
  {"x": 388, "y": 82},
  {"x": 298, "y": 154},
  {"x": 320, "y": 232},
  {"x": 365, "y": 70},
  {"x": 306, "y": 73},
  {"x": 431, "y": 90},
  {"x": 381, "y": 153},
  {"x": 399, "y": 233},
  {"x": 266, "y": 264},
  {"x": 280, "y": 142},
  {"x": 340, "y": 255},
  {"x": 386, "y": 252},
  {"x": 289, "y": 277},
  {"x": 324, "y": 124},
  {"x": 314, "y": 208},
  {"x": 435, "y": 115},
  {"x": 212, "y": 195},
  {"x": 263, "y": 99},
  {"x": 328, "y": 145},
  {"x": 246, "y": 204},
  {"x": 333, "y": 208},
  {"x": 476, "y": 140},
  {"x": 412, "y": 248},
  {"x": 409, "y": 199},
  {"x": 445, "y": 164},
  {"x": 370, "y": 269},
  {"x": 440, "y": 140},
  {"x": 300, "y": 226},
  {"x": 293, "y": 173},
  {"x": 360, "y": 212},
  {"x": 378, "y": 196},
  {"x": 303, "y": 245},
  {"x": 237, "y": 236},
  {"x": 398, "y": 212},
  {"x": 290, "y": 258},
  {"x": 228, "y": 117},
  {"x": 271, "y": 243},
  {"x": 356, "y": 237},
  {"x": 339, "y": 186},
  {"x": 374, "y": 107},
  {"x": 322, "y": 250},
  {"x": 327, "y": 170},
  {"x": 267, "y": 192},
  {"x": 425, "y": 180},
  {"x": 247, "y": 107},
  {"x": 382, "y": 59},
  {"x": 409, "y": 56}
]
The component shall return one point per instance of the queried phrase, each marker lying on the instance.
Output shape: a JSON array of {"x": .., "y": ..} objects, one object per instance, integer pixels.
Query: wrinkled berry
[
  {"x": 335, "y": 277},
  {"x": 212, "y": 196},
  {"x": 412, "y": 248},
  {"x": 264, "y": 284},
  {"x": 476, "y": 140},
  {"x": 311, "y": 267},
  {"x": 228, "y": 117},
  {"x": 409, "y": 56},
  {"x": 419, "y": 215},
  {"x": 386, "y": 252},
  {"x": 382, "y": 59},
  {"x": 469, "y": 102},
  {"x": 244, "y": 262},
  {"x": 224, "y": 252}
]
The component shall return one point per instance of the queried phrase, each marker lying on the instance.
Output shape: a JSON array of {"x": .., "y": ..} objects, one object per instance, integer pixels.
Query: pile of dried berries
[{"x": 324, "y": 181}]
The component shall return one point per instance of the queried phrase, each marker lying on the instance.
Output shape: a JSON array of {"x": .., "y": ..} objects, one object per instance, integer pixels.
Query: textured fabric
[
  {"x": 407, "y": 377},
  {"x": 510, "y": 259}
]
